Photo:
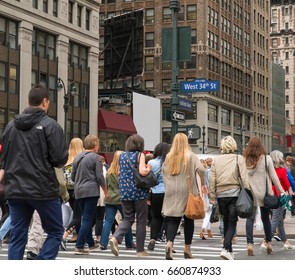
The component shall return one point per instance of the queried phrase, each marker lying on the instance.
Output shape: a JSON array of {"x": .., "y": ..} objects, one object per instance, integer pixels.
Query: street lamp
[
  {"x": 174, "y": 7},
  {"x": 242, "y": 130},
  {"x": 73, "y": 90}
]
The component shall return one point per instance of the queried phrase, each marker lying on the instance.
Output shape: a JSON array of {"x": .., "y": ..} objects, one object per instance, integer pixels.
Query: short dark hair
[
  {"x": 37, "y": 94},
  {"x": 134, "y": 143}
]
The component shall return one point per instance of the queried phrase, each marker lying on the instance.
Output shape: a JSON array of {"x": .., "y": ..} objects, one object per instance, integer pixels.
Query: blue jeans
[
  {"x": 111, "y": 210},
  {"x": 88, "y": 207},
  {"x": 5, "y": 228},
  {"x": 21, "y": 212}
]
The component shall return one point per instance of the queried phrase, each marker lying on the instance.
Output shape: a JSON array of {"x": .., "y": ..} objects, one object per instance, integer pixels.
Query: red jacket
[{"x": 283, "y": 177}]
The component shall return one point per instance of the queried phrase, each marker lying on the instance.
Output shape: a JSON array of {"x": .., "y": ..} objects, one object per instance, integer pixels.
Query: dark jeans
[
  {"x": 99, "y": 218},
  {"x": 21, "y": 212},
  {"x": 130, "y": 209},
  {"x": 156, "y": 211},
  {"x": 266, "y": 225},
  {"x": 87, "y": 207},
  {"x": 227, "y": 208},
  {"x": 111, "y": 210},
  {"x": 172, "y": 227},
  {"x": 76, "y": 220}
]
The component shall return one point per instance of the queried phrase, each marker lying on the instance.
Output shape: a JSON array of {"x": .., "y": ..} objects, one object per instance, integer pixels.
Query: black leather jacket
[{"x": 33, "y": 144}]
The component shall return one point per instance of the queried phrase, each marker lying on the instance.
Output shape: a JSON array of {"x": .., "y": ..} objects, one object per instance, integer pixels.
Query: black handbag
[
  {"x": 214, "y": 217},
  {"x": 269, "y": 201},
  {"x": 143, "y": 182},
  {"x": 245, "y": 201}
]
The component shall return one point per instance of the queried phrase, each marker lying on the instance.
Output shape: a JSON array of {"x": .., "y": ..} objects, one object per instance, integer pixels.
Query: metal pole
[
  {"x": 204, "y": 134},
  {"x": 174, "y": 6},
  {"x": 65, "y": 107}
]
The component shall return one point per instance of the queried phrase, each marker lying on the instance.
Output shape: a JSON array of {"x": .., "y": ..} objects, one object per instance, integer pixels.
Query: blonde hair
[
  {"x": 115, "y": 165},
  {"x": 228, "y": 145},
  {"x": 179, "y": 154},
  {"x": 76, "y": 147}
]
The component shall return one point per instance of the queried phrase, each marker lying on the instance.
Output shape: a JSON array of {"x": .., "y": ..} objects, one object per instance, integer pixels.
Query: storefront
[{"x": 113, "y": 131}]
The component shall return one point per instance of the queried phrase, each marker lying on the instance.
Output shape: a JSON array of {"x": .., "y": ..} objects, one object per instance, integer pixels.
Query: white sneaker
[
  {"x": 288, "y": 246},
  {"x": 226, "y": 255}
]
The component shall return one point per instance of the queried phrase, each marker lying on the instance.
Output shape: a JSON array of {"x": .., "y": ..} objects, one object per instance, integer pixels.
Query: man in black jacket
[{"x": 33, "y": 144}]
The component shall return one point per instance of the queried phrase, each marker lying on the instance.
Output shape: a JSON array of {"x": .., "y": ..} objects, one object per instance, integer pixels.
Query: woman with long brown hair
[{"x": 260, "y": 170}]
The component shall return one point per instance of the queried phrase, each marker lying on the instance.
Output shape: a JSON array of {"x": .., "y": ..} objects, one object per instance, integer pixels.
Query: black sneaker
[
  {"x": 277, "y": 238},
  {"x": 63, "y": 245},
  {"x": 31, "y": 255},
  {"x": 151, "y": 245}
]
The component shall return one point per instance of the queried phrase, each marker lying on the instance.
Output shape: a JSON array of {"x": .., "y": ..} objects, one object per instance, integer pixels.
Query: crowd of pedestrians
[{"x": 51, "y": 176}]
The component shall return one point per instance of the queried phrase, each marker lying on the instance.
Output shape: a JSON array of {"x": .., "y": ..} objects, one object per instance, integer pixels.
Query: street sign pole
[{"x": 174, "y": 7}]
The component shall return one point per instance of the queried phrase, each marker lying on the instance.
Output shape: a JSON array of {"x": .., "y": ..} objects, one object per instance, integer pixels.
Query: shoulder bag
[
  {"x": 143, "y": 182},
  {"x": 195, "y": 208},
  {"x": 269, "y": 201},
  {"x": 245, "y": 201}
]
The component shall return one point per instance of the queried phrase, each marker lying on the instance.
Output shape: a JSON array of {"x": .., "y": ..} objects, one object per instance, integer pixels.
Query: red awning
[{"x": 115, "y": 122}]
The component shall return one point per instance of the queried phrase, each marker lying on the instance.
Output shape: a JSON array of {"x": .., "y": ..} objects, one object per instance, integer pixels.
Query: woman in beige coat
[{"x": 180, "y": 165}]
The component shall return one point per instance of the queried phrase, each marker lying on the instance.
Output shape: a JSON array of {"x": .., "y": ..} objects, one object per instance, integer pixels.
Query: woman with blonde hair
[
  {"x": 75, "y": 148},
  {"x": 180, "y": 167},
  {"x": 113, "y": 204},
  {"x": 227, "y": 171}
]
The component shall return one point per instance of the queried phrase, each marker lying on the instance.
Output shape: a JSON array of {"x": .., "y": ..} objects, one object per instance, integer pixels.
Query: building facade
[
  {"x": 282, "y": 46},
  {"x": 54, "y": 43},
  {"x": 229, "y": 43}
]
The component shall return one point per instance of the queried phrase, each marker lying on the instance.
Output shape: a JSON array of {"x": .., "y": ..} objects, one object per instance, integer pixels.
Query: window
[
  {"x": 112, "y": 141},
  {"x": 70, "y": 12},
  {"x": 149, "y": 39},
  {"x": 52, "y": 88},
  {"x": 35, "y": 4},
  {"x": 237, "y": 119},
  {"x": 149, "y": 63},
  {"x": 193, "y": 36},
  {"x": 43, "y": 44},
  {"x": 149, "y": 16},
  {"x": 79, "y": 15},
  {"x": 193, "y": 63},
  {"x": 8, "y": 32},
  {"x": 2, "y": 121},
  {"x": 180, "y": 15},
  {"x": 78, "y": 56},
  {"x": 287, "y": 84},
  {"x": 166, "y": 86},
  {"x": 225, "y": 116},
  {"x": 191, "y": 12},
  {"x": 77, "y": 94},
  {"x": 87, "y": 19},
  {"x": 212, "y": 137},
  {"x": 149, "y": 85},
  {"x": 45, "y": 6},
  {"x": 85, "y": 96},
  {"x": 13, "y": 79},
  {"x": 167, "y": 16},
  {"x": 3, "y": 76},
  {"x": 212, "y": 113},
  {"x": 274, "y": 43},
  {"x": 54, "y": 8}
]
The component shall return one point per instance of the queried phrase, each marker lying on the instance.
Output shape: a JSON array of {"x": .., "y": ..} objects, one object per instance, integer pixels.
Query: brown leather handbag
[{"x": 195, "y": 208}]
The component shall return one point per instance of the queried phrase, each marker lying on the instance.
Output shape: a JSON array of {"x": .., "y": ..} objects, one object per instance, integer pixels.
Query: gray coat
[
  {"x": 176, "y": 187},
  {"x": 87, "y": 175}
]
